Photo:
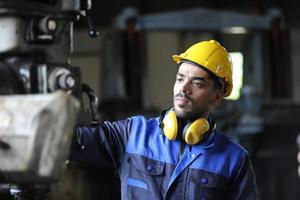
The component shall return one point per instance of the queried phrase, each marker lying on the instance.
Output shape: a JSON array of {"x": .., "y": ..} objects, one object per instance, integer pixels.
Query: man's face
[{"x": 194, "y": 93}]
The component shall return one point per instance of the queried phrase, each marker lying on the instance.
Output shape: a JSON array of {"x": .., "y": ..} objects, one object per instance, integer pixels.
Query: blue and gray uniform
[{"x": 151, "y": 167}]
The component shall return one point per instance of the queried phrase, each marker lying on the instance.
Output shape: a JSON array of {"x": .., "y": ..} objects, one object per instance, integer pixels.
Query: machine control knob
[{"x": 61, "y": 78}]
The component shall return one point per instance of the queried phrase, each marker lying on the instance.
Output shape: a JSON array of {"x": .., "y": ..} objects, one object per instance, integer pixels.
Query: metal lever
[
  {"x": 92, "y": 30},
  {"x": 92, "y": 98}
]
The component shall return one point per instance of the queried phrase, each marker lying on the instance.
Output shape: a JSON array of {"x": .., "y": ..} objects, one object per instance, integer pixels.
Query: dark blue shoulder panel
[{"x": 147, "y": 139}]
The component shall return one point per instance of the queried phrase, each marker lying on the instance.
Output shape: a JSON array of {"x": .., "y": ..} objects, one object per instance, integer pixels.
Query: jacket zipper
[
  {"x": 181, "y": 151},
  {"x": 186, "y": 181},
  {"x": 187, "y": 176}
]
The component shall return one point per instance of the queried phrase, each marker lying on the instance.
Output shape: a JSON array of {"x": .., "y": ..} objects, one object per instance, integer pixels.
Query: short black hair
[{"x": 219, "y": 83}]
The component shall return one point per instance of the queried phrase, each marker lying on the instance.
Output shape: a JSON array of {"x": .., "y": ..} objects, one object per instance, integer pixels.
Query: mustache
[{"x": 183, "y": 95}]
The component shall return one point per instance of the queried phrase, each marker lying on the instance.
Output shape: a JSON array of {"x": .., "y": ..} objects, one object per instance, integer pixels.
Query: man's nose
[{"x": 185, "y": 87}]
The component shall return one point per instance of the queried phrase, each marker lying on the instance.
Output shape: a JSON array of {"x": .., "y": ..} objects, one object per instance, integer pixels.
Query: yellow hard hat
[{"x": 212, "y": 56}]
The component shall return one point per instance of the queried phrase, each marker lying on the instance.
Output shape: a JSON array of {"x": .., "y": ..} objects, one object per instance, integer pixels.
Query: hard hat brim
[{"x": 177, "y": 58}]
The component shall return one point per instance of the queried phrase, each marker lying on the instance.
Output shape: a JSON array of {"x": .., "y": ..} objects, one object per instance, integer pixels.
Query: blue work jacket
[{"x": 151, "y": 167}]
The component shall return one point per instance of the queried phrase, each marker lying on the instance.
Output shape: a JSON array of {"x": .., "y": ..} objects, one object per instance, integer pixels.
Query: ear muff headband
[{"x": 192, "y": 133}]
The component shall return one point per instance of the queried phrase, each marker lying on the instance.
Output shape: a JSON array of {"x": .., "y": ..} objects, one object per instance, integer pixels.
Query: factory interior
[{"x": 129, "y": 69}]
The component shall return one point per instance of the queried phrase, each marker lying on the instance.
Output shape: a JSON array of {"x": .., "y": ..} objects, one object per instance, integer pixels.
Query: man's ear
[{"x": 217, "y": 97}]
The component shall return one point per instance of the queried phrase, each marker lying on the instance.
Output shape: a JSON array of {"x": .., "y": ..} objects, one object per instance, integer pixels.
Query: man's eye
[
  {"x": 198, "y": 84},
  {"x": 179, "y": 79}
]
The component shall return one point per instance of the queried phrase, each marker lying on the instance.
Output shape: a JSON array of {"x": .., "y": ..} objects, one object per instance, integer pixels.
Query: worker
[{"x": 179, "y": 154}]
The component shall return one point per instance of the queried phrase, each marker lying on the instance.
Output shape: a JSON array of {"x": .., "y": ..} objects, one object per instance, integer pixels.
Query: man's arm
[
  {"x": 101, "y": 145},
  {"x": 244, "y": 185}
]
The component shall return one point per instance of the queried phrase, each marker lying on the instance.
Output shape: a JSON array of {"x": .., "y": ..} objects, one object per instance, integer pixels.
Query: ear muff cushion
[
  {"x": 196, "y": 131},
  {"x": 170, "y": 125}
]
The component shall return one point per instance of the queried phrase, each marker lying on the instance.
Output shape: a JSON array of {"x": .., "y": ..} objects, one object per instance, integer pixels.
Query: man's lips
[{"x": 181, "y": 100}]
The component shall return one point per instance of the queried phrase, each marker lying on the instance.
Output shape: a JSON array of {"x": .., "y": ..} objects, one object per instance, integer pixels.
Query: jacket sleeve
[
  {"x": 101, "y": 146},
  {"x": 244, "y": 185}
]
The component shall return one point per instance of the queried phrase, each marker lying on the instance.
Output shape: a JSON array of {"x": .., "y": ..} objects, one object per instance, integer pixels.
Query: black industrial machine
[{"x": 40, "y": 93}]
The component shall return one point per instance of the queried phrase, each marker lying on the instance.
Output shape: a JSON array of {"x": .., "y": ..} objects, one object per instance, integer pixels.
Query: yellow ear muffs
[
  {"x": 192, "y": 133},
  {"x": 195, "y": 131},
  {"x": 170, "y": 125}
]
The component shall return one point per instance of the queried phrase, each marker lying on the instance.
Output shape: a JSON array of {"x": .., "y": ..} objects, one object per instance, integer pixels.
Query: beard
[{"x": 188, "y": 111}]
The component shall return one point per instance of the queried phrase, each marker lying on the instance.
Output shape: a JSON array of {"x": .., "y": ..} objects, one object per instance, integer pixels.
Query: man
[{"x": 180, "y": 154}]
